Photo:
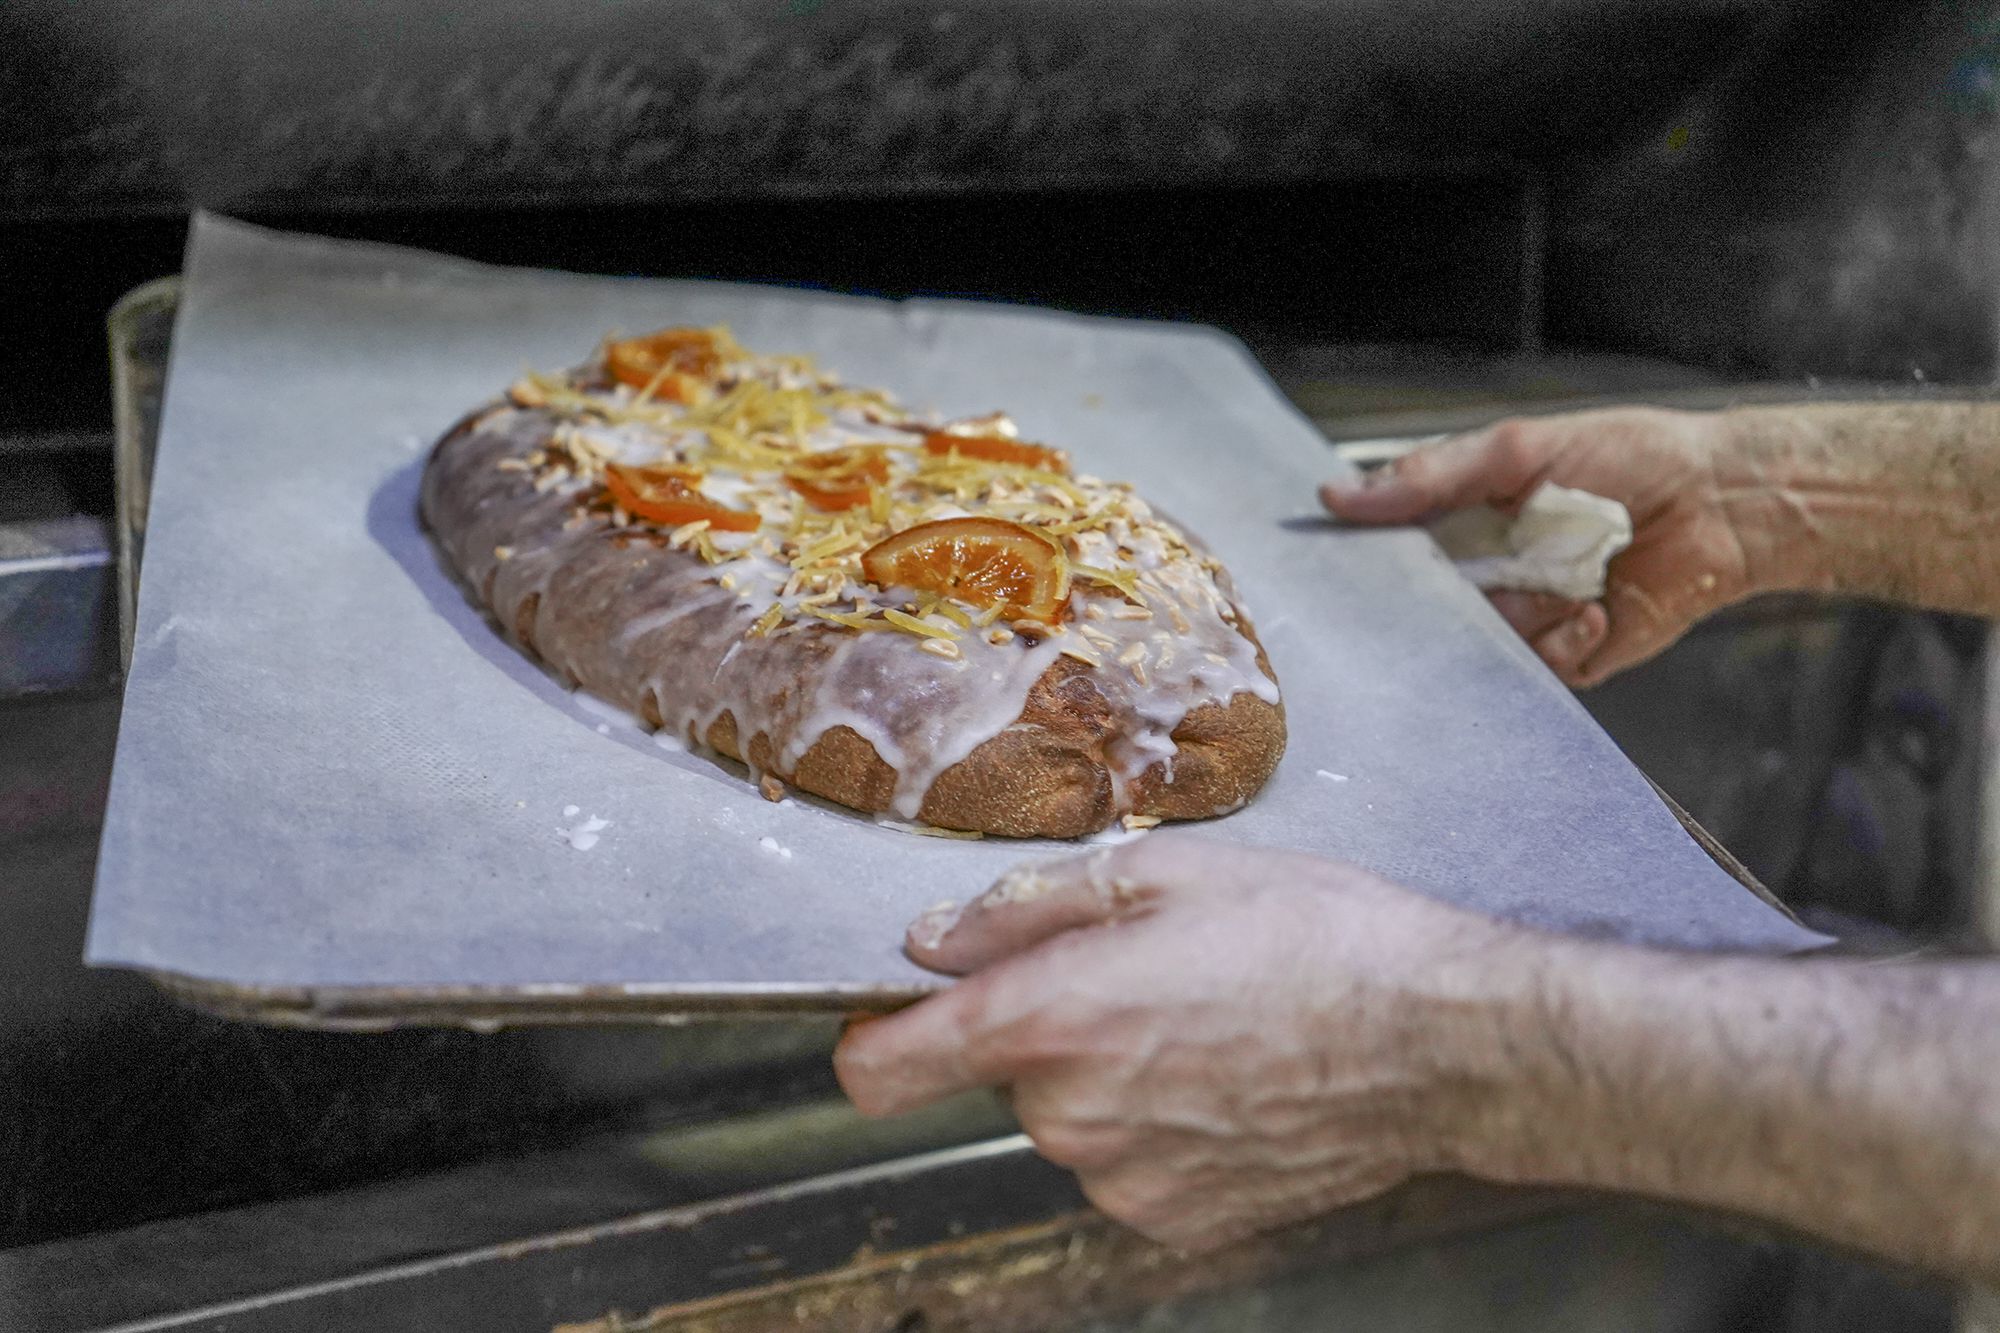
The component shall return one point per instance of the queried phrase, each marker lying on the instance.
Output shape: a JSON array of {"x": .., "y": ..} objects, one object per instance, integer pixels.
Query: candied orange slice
[
  {"x": 840, "y": 478},
  {"x": 996, "y": 449},
  {"x": 673, "y": 363},
  {"x": 672, "y": 496},
  {"x": 983, "y": 562}
]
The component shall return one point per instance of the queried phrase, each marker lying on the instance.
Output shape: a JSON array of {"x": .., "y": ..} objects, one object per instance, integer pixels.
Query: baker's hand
[
  {"x": 1675, "y": 472},
  {"x": 1217, "y": 1040}
]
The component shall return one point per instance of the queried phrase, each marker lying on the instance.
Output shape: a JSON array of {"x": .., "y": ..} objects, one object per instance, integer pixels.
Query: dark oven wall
[
  {"x": 1379, "y": 260},
  {"x": 1362, "y": 170},
  {"x": 298, "y": 104}
]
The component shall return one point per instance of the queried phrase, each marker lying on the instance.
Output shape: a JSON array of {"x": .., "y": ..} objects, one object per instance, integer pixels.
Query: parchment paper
[{"x": 333, "y": 772}]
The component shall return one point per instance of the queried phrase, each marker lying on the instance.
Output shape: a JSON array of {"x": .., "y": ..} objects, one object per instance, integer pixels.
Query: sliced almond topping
[
  {"x": 755, "y": 417},
  {"x": 1137, "y": 822},
  {"x": 503, "y": 553},
  {"x": 944, "y": 648},
  {"x": 831, "y": 544},
  {"x": 686, "y": 533}
]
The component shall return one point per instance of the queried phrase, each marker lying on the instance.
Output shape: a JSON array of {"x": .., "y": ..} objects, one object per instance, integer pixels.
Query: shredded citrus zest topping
[
  {"x": 1124, "y": 580},
  {"x": 932, "y": 605},
  {"x": 904, "y": 621},
  {"x": 849, "y": 619},
  {"x": 770, "y": 460}
]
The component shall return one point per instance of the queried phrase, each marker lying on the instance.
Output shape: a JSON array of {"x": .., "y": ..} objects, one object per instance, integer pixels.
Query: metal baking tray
[{"x": 141, "y": 342}]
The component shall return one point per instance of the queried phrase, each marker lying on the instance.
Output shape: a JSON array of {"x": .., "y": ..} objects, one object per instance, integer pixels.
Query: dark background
[{"x": 1402, "y": 206}]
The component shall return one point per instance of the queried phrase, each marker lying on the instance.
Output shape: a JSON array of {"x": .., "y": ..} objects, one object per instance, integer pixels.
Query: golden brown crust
[{"x": 1045, "y": 775}]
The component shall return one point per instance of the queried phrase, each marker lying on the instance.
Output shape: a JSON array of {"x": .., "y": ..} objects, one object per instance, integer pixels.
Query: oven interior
[{"x": 1419, "y": 217}]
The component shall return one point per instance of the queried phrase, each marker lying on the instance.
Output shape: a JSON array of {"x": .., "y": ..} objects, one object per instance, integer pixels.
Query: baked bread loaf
[{"x": 936, "y": 622}]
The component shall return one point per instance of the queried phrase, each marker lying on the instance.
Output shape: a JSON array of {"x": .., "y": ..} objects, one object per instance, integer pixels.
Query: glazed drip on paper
[{"x": 802, "y": 642}]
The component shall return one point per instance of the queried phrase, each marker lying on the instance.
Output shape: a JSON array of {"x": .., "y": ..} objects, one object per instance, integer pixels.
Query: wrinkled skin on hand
[
  {"x": 1690, "y": 553},
  {"x": 1216, "y": 1039}
]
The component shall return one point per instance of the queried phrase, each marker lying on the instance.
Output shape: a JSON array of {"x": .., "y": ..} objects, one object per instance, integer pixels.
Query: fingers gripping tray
[{"x": 341, "y": 797}]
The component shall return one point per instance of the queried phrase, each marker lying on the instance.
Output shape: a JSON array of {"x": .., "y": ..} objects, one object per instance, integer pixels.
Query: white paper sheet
[{"x": 333, "y": 772}]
